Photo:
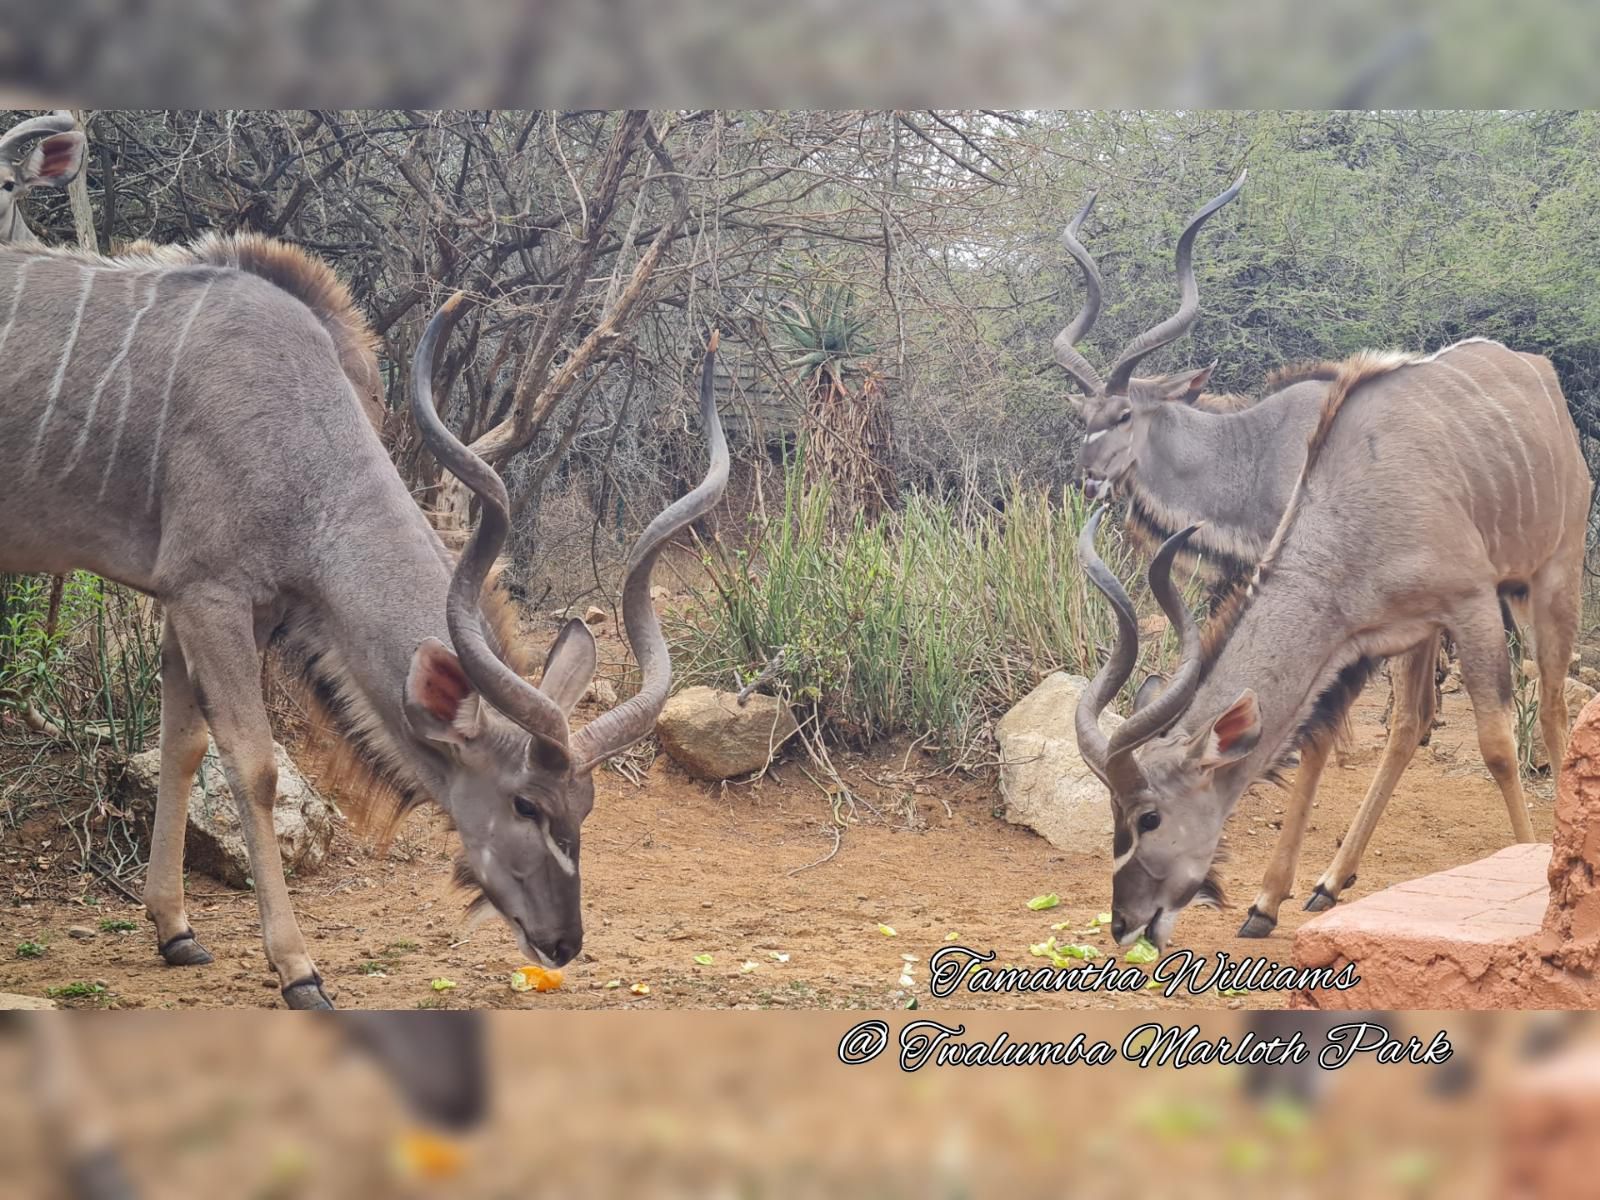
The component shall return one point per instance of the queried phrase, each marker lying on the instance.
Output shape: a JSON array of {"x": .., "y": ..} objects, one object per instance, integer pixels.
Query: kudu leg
[
  {"x": 1486, "y": 675},
  {"x": 1410, "y": 723},
  {"x": 73, "y": 1120},
  {"x": 183, "y": 744},
  {"x": 1553, "y": 606},
  {"x": 219, "y": 643},
  {"x": 1262, "y": 918}
]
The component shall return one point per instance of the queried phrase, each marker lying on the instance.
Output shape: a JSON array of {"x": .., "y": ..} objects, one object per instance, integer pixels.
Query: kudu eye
[
  {"x": 525, "y": 808},
  {"x": 1149, "y": 821},
  {"x": 1125, "y": 416},
  {"x": 8, "y": 185}
]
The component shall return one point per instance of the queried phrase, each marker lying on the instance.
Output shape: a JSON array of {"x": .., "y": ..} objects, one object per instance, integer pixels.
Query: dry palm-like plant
[{"x": 848, "y": 435}]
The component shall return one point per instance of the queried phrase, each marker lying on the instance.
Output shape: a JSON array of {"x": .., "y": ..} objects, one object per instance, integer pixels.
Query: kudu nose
[
  {"x": 1119, "y": 929},
  {"x": 564, "y": 949}
]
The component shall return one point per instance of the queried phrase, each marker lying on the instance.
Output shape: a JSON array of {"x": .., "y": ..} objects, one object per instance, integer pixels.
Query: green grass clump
[{"x": 930, "y": 622}]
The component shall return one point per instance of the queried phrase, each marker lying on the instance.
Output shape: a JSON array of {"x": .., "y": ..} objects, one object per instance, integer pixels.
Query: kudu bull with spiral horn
[
  {"x": 187, "y": 429},
  {"x": 1435, "y": 488},
  {"x": 1179, "y": 456}
]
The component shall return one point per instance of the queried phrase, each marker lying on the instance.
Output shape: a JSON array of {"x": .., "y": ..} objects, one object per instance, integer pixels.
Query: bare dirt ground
[{"x": 675, "y": 869}]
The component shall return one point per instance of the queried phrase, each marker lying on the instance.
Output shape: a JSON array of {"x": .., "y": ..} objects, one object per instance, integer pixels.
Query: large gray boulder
[
  {"x": 302, "y": 819},
  {"x": 709, "y": 734},
  {"x": 1044, "y": 782}
]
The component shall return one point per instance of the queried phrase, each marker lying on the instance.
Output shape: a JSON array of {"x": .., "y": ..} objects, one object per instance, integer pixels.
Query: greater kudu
[
  {"x": 39, "y": 152},
  {"x": 1180, "y": 456},
  {"x": 437, "y": 1063},
  {"x": 1435, "y": 487},
  {"x": 188, "y": 430}
]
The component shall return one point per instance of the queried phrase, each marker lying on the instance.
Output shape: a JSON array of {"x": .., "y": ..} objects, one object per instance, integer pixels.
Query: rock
[
  {"x": 13, "y": 1002},
  {"x": 602, "y": 693},
  {"x": 81, "y": 932},
  {"x": 1044, "y": 782},
  {"x": 658, "y": 593},
  {"x": 595, "y": 615},
  {"x": 711, "y": 736},
  {"x": 303, "y": 820},
  {"x": 1572, "y": 920},
  {"x": 1578, "y": 694},
  {"x": 1590, "y": 676}
]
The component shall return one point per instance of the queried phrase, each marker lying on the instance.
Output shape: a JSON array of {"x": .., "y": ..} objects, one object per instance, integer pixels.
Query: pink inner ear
[
  {"x": 59, "y": 155},
  {"x": 1232, "y": 726},
  {"x": 443, "y": 685}
]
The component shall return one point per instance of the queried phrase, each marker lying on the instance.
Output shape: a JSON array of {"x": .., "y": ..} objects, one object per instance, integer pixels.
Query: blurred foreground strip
[
  {"x": 681, "y": 1104},
  {"x": 1354, "y": 53}
]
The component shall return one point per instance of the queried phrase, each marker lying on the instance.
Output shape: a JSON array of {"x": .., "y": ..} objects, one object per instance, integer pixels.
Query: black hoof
[
  {"x": 98, "y": 1175},
  {"x": 184, "y": 951},
  {"x": 1320, "y": 900},
  {"x": 307, "y": 995},
  {"x": 1257, "y": 924}
]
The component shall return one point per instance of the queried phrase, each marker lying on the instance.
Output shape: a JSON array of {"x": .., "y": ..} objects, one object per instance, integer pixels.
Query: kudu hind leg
[
  {"x": 183, "y": 744},
  {"x": 1553, "y": 606},
  {"x": 219, "y": 642},
  {"x": 1410, "y": 724},
  {"x": 1278, "y": 882},
  {"x": 1486, "y": 676}
]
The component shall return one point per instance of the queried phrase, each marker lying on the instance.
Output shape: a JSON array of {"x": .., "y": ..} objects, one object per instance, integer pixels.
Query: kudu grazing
[
  {"x": 185, "y": 423},
  {"x": 1177, "y": 456},
  {"x": 1429, "y": 491},
  {"x": 437, "y": 1063}
]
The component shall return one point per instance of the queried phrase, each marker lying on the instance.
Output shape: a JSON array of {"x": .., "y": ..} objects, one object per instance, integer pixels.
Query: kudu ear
[
  {"x": 1148, "y": 691},
  {"x": 1079, "y": 405},
  {"x": 1230, "y": 737},
  {"x": 440, "y": 701},
  {"x": 570, "y": 666},
  {"x": 55, "y": 161},
  {"x": 1187, "y": 386}
]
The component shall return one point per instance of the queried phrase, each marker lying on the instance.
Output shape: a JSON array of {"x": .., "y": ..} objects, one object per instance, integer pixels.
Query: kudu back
[
  {"x": 1180, "y": 456},
  {"x": 188, "y": 429}
]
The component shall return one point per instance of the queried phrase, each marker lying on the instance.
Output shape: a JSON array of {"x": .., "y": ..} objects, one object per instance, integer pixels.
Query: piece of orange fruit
[
  {"x": 423, "y": 1155},
  {"x": 535, "y": 979}
]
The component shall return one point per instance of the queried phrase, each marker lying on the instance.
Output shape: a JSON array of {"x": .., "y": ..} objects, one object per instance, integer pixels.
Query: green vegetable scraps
[
  {"x": 1142, "y": 951},
  {"x": 1040, "y": 903}
]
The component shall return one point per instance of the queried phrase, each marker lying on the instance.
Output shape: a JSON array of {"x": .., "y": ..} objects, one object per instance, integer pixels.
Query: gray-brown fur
[
  {"x": 1440, "y": 483},
  {"x": 1225, "y": 471},
  {"x": 190, "y": 430}
]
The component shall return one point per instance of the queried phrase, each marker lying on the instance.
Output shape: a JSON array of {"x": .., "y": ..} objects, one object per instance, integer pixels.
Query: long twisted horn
[
  {"x": 1092, "y": 742},
  {"x": 1067, "y": 340},
  {"x": 500, "y": 685},
  {"x": 18, "y": 137},
  {"x": 631, "y": 720},
  {"x": 1157, "y": 715},
  {"x": 1178, "y": 324}
]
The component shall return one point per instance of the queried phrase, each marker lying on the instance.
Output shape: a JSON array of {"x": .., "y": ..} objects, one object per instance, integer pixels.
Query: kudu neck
[
  {"x": 1285, "y": 647},
  {"x": 379, "y": 594},
  {"x": 1232, "y": 471}
]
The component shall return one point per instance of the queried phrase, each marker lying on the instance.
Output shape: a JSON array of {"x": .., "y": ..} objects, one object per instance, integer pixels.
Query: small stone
[
  {"x": 602, "y": 693},
  {"x": 81, "y": 932},
  {"x": 595, "y": 615}
]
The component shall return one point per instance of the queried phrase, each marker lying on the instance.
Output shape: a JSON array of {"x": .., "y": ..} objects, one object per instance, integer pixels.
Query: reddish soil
[{"x": 675, "y": 869}]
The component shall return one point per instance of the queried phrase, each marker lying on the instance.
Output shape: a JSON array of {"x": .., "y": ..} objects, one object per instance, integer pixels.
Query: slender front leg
[
  {"x": 183, "y": 744},
  {"x": 77, "y": 1132},
  {"x": 1279, "y": 881},
  {"x": 219, "y": 642},
  {"x": 1412, "y": 722}
]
